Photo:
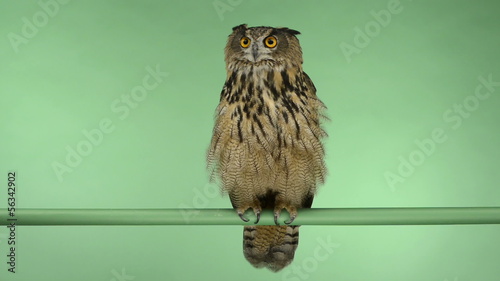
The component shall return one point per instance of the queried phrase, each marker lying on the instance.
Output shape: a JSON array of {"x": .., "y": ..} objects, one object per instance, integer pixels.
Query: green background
[{"x": 406, "y": 79}]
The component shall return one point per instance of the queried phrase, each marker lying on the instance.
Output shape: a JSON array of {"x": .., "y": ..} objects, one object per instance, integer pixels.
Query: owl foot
[
  {"x": 257, "y": 213},
  {"x": 241, "y": 214},
  {"x": 291, "y": 210},
  {"x": 276, "y": 216},
  {"x": 293, "y": 214},
  {"x": 292, "y": 218},
  {"x": 242, "y": 217}
]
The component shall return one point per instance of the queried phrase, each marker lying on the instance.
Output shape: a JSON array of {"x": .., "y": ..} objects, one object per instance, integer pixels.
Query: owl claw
[
  {"x": 243, "y": 217},
  {"x": 241, "y": 213},
  {"x": 276, "y": 216},
  {"x": 257, "y": 213},
  {"x": 292, "y": 218}
]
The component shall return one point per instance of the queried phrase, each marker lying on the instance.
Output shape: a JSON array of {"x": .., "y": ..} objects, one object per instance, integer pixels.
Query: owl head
[{"x": 263, "y": 45}]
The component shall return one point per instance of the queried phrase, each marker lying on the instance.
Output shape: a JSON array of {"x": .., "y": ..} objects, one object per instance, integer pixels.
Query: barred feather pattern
[
  {"x": 266, "y": 150},
  {"x": 270, "y": 246},
  {"x": 267, "y": 133}
]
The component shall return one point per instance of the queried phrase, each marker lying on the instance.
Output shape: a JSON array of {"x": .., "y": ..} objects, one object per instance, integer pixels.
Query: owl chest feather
[
  {"x": 267, "y": 108},
  {"x": 268, "y": 126}
]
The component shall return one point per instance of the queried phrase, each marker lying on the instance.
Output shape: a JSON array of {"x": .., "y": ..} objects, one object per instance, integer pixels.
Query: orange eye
[
  {"x": 245, "y": 42},
  {"x": 270, "y": 42}
]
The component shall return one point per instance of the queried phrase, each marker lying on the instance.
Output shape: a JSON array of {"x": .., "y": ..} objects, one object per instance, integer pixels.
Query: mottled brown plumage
[{"x": 266, "y": 147}]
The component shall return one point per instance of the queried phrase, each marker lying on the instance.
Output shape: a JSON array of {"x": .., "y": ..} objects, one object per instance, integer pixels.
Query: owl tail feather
[{"x": 270, "y": 246}]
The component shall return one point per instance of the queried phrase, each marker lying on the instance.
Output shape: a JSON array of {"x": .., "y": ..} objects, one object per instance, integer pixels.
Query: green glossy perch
[{"x": 333, "y": 216}]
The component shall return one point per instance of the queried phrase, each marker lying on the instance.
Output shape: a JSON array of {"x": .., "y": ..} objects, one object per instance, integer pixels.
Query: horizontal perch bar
[{"x": 332, "y": 216}]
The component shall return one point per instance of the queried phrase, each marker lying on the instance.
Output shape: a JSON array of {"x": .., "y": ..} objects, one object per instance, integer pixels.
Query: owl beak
[{"x": 255, "y": 52}]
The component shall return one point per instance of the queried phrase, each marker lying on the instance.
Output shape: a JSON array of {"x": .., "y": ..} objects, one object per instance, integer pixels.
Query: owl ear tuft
[
  {"x": 240, "y": 27},
  {"x": 289, "y": 31}
]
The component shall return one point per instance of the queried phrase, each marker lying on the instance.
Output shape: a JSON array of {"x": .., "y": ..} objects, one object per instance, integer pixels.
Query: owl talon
[
  {"x": 276, "y": 216},
  {"x": 243, "y": 217},
  {"x": 292, "y": 218},
  {"x": 257, "y": 213}
]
